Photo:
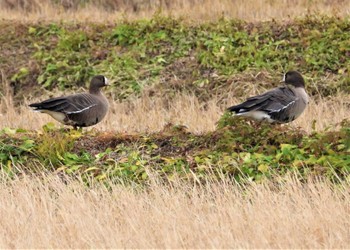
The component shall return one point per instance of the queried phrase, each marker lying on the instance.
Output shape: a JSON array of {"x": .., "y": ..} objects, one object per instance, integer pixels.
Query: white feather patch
[
  {"x": 257, "y": 115},
  {"x": 58, "y": 116}
]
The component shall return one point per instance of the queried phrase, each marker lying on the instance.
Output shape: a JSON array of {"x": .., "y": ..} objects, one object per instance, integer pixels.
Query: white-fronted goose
[
  {"x": 79, "y": 110},
  {"x": 279, "y": 105}
]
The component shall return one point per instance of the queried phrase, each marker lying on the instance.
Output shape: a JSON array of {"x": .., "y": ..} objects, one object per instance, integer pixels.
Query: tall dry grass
[
  {"x": 150, "y": 114},
  {"x": 46, "y": 212},
  {"x": 110, "y": 10}
]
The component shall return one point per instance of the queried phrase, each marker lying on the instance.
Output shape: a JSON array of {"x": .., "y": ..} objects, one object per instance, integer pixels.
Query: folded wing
[
  {"x": 279, "y": 104},
  {"x": 72, "y": 104}
]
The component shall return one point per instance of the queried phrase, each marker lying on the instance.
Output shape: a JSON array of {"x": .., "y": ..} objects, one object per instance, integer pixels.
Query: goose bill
[
  {"x": 284, "y": 78},
  {"x": 106, "y": 81}
]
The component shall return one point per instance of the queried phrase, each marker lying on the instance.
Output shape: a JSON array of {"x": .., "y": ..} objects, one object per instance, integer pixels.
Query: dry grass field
[
  {"x": 49, "y": 213},
  {"x": 111, "y": 10}
]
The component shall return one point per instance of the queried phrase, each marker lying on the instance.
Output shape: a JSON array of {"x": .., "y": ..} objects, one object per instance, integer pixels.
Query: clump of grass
[
  {"x": 16, "y": 147},
  {"x": 53, "y": 144}
]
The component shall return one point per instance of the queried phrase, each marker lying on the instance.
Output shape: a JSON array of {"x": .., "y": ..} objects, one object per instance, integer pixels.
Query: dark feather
[
  {"x": 69, "y": 104},
  {"x": 272, "y": 100}
]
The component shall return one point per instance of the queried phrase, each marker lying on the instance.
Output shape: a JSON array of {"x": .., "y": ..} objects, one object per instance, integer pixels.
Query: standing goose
[
  {"x": 279, "y": 105},
  {"x": 79, "y": 110}
]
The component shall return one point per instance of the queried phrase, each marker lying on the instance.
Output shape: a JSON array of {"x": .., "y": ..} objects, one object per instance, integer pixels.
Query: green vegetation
[
  {"x": 203, "y": 57},
  {"x": 238, "y": 149}
]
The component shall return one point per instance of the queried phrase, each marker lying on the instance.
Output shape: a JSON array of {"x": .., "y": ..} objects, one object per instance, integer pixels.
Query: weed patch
[{"x": 237, "y": 149}]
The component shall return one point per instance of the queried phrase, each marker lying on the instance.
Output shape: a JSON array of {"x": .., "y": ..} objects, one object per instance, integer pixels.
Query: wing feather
[
  {"x": 72, "y": 104},
  {"x": 272, "y": 101}
]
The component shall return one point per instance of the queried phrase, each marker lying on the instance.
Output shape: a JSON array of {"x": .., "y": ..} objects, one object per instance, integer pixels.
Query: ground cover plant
[
  {"x": 207, "y": 58},
  {"x": 237, "y": 149}
]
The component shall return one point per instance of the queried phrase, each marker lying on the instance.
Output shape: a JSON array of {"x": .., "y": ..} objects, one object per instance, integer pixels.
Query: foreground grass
[{"x": 53, "y": 212}]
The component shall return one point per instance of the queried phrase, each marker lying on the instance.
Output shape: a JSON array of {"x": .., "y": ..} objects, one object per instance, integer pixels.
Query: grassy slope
[{"x": 206, "y": 59}]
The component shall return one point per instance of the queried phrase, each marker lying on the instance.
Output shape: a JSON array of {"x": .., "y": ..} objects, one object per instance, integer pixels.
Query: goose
[
  {"x": 78, "y": 110},
  {"x": 280, "y": 105}
]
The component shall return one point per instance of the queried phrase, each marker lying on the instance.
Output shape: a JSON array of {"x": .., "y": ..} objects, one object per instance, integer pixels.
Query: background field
[
  {"x": 167, "y": 168},
  {"x": 195, "y": 10}
]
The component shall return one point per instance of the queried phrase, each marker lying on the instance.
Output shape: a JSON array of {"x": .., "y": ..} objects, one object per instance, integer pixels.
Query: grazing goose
[
  {"x": 79, "y": 110},
  {"x": 279, "y": 105}
]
